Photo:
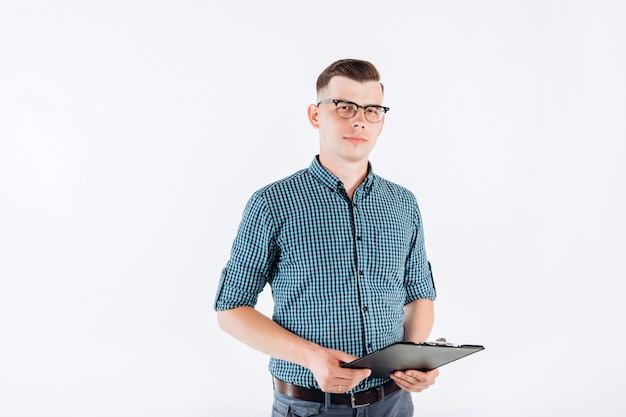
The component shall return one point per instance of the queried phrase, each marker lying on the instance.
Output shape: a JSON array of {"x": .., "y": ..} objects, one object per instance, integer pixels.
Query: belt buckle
[{"x": 353, "y": 404}]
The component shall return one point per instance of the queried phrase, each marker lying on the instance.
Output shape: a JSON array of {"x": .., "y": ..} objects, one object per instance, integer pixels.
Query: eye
[
  {"x": 346, "y": 106},
  {"x": 375, "y": 110}
]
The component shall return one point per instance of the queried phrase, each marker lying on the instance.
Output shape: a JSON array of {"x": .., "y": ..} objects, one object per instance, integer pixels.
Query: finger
[
  {"x": 361, "y": 374},
  {"x": 352, "y": 376},
  {"x": 416, "y": 376},
  {"x": 405, "y": 376},
  {"x": 405, "y": 385},
  {"x": 414, "y": 379},
  {"x": 345, "y": 382},
  {"x": 345, "y": 357}
]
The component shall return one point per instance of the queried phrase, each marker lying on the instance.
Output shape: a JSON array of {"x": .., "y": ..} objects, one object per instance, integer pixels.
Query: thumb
[{"x": 345, "y": 357}]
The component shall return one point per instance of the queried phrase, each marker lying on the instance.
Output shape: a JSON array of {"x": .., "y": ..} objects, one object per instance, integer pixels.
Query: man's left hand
[{"x": 414, "y": 381}]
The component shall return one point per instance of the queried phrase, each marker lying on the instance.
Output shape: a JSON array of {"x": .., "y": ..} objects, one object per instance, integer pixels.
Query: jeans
[{"x": 397, "y": 404}]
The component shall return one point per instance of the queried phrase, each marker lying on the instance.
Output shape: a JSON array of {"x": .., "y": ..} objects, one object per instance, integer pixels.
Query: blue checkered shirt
[{"x": 340, "y": 270}]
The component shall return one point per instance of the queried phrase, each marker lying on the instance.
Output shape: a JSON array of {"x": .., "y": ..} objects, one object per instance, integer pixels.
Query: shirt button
[
  {"x": 369, "y": 345},
  {"x": 365, "y": 309},
  {"x": 358, "y": 238},
  {"x": 361, "y": 273}
]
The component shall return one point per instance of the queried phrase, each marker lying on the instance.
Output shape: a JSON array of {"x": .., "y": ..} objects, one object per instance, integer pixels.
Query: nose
[{"x": 359, "y": 117}]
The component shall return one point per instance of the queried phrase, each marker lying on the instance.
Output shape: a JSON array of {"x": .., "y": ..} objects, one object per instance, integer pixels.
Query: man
[{"x": 343, "y": 251}]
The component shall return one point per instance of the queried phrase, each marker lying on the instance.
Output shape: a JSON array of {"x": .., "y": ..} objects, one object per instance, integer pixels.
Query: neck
[{"x": 351, "y": 174}]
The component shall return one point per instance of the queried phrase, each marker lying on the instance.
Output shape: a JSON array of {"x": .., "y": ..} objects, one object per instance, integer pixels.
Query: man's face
[{"x": 346, "y": 140}]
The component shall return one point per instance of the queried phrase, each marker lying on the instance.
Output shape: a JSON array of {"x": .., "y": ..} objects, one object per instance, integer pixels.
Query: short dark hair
[{"x": 355, "y": 69}]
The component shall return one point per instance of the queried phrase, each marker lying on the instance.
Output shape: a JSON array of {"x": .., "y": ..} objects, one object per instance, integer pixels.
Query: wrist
[{"x": 306, "y": 353}]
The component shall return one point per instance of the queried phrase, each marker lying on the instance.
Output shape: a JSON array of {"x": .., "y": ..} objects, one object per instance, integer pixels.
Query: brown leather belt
[{"x": 357, "y": 399}]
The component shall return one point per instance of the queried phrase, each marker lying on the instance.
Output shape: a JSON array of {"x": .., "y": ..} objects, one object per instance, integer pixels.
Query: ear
[{"x": 313, "y": 114}]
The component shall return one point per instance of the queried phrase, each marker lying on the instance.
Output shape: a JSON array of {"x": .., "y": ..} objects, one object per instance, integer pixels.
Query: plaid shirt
[{"x": 340, "y": 270}]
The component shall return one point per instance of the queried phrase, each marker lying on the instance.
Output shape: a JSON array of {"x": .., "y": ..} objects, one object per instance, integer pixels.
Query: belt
[{"x": 355, "y": 400}]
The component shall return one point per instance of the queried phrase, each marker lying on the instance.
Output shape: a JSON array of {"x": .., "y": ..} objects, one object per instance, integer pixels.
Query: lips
[{"x": 355, "y": 139}]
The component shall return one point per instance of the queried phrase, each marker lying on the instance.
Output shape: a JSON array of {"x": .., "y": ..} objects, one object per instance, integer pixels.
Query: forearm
[
  {"x": 418, "y": 321},
  {"x": 263, "y": 334}
]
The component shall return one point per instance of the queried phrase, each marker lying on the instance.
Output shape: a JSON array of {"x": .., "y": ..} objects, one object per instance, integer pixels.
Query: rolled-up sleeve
[
  {"x": 418, "y": 277},
  {"x": 251, "y": 259}
]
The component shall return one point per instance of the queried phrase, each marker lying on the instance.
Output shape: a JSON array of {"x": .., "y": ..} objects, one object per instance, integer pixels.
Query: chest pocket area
[{"x": 392, "y": 243}]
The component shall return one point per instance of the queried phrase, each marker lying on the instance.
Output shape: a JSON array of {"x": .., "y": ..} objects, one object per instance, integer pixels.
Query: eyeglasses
[{"x": 348, "y": 109}]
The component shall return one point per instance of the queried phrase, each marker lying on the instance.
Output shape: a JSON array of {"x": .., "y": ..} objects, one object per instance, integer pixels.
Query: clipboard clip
[{"x": 440, "y": 342}]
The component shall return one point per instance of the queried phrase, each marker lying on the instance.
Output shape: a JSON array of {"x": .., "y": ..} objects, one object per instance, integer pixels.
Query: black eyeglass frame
[{"x": 358, "y": 106}]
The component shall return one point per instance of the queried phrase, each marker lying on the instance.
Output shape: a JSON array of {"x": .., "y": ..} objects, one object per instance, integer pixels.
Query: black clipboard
[{"x": 402, "y": 356}]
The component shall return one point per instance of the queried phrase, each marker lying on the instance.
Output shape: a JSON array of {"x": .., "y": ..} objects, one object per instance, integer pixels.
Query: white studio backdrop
[{"x": 132, "y": 134}]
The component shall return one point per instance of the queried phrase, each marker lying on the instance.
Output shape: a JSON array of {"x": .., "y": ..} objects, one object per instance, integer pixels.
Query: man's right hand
[
  {"x": 265, "y": 335},
  {"x": 325, "y": 364}
]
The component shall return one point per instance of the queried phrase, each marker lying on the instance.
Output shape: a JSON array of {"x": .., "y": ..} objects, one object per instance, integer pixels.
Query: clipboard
[{"x": 402, "y": 356}]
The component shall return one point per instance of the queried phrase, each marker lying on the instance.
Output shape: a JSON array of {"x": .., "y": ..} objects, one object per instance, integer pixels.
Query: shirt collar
[{"x": 333, "y": 182}]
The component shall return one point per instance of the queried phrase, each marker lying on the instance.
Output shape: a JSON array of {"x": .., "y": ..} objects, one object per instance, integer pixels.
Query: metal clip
[{"x": 440, "y": 342}]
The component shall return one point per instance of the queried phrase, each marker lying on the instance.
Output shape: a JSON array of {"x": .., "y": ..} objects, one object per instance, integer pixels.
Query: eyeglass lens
[{"x": 348, "y": 110}]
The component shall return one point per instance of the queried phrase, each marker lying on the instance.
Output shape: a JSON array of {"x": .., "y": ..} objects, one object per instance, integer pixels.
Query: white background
[{"x": 132, "y": 133}]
